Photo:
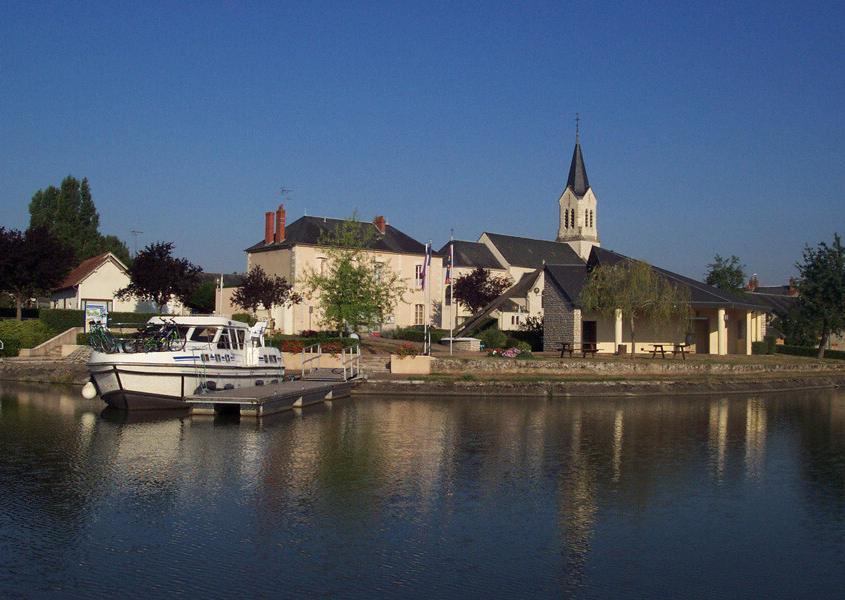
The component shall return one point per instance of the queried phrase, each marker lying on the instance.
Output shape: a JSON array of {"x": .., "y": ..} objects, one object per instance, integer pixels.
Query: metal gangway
[{"x": 314, "y": 366}]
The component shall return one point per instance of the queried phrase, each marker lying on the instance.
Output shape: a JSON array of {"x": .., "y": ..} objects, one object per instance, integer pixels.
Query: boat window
[
  {"x": 241, "y": 337},
  {"x": 223, "y": 341},
  {"x": 203, "y": 334}
]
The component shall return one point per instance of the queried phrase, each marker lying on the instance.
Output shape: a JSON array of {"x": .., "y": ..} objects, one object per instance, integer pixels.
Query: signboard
[{"x": 96, "y": 312}]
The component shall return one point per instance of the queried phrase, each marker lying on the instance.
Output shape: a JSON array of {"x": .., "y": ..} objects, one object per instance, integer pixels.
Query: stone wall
[{"x": 561, "y": 322}]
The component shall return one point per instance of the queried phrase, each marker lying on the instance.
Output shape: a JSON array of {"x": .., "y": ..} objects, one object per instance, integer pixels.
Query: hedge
[
  {"x": 26, "y": 313},
  {"x": 61, "y": 319},
  {"x": 811, "y": 352},
  {"x": 417, "y": 334},
  {"x": 22, "y": 334}
]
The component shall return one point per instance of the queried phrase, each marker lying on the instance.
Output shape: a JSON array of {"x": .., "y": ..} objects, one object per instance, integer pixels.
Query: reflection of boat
[
  {"x": 122, "y": 417},
  {"x": 192, "y": 354}
]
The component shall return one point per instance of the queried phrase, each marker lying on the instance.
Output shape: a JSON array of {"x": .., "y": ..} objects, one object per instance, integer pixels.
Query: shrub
[
  {"x": 493, "y": 338},
  {"x": 244, "y": 318},
  {"x": 290, "y": 345},
  {"x": 417, "y": 334},
  {"x": 407, "y": 349},
  {"x": 532, "y": 337},
  {"x": 759, "y": 348},
  {"x": 811, "y": 352},
  {"x": 60, "y": 319},
  {"x": 130, "y": 318},
  {"x": 771, "y": 344},
  {"x": 23, "y": 334},
  {"x": 332, "y": 347},
  {"x": 511, "y": 342}
]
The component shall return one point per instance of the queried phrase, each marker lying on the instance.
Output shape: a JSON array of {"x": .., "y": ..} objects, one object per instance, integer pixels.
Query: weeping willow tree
[{"x": 639, "y": 292}]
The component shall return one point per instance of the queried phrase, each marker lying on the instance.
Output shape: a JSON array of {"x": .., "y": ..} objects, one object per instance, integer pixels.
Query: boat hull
[{"x": 138, "y": 386}]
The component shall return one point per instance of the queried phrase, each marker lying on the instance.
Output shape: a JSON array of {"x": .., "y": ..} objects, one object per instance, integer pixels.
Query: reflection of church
[{"x": 548, "y": 278}]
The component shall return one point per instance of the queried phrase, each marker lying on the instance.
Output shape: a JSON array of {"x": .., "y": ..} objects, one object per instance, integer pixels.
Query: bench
[
  {"x": 584, "y": 349},
  {"x": 661, "y": 348}
]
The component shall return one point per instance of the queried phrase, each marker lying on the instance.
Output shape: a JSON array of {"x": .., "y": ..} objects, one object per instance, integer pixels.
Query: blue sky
[{"x": 706, "y": 127}]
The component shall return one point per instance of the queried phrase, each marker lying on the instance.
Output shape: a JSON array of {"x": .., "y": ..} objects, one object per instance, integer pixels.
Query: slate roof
[
  {"x": 85, "y": 268},
  {"x": 525, "y": 252},
  {"x": 569, "y": 280},
  {"x": 779, "y": 303},
  {"x": 577, "y": 179},
  {"x": 504, "y": 302},
  {"x": 701, "y": 294},
  {"x": 310, "y": 230},
  {"x": 472, "y": 254}
]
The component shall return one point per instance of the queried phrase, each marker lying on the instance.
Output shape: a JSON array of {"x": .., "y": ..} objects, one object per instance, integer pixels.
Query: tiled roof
[
  {"x": 701, "y": 294},
  {"x": 85, "y": 268},
  {"x": 532, "y": 254},
  {"x": 312, "y": 230},
  {"x": 472, "y": 254}
]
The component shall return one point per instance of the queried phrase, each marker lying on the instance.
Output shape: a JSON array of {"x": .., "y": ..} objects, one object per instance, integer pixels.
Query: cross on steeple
[{"x": 577, "y": 127}]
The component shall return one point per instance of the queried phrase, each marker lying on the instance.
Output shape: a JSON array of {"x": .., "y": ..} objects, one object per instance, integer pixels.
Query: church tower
[{"x": 578, "y": 223}]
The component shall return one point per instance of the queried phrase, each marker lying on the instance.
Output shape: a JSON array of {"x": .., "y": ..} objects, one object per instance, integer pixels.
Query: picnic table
[
  {"x": 584, "y": 349},
  {"x": 661, "y": 348}
]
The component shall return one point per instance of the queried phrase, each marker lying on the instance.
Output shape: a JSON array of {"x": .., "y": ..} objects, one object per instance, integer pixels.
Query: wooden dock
[{"x": 263, "y": 400}]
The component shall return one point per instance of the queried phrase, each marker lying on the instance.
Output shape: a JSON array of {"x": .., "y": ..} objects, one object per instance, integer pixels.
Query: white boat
[{"x": 180, "y": 356}]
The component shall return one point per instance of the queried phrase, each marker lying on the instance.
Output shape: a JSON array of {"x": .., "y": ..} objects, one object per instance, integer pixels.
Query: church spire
[{"x": 577, "y": 180}]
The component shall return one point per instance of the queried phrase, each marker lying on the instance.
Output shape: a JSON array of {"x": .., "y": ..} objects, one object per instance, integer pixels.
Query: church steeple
[
  {"x": 578, "y": 222},
  {"x": 577, "y": 171}
]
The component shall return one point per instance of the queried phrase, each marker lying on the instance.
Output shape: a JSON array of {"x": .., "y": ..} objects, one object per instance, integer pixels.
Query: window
[
  {"x": 203, "y": 334},
  {"x": 418, "y": 314},
  {"x": 566, "y": 218},
  {"x": 572, "y": 217},
  {"x": 418, "y": 276},
  {"x": 514, "y": 319},
  {"x": 591, "y": 218},
  {"x": 586, "y": 217},
  {"x": 241, "y": 337},
  {"x": 223, "y": 341}
]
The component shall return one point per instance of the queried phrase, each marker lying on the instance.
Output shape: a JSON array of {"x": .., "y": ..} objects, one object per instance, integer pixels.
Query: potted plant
[{"x": 408, "y": 361}]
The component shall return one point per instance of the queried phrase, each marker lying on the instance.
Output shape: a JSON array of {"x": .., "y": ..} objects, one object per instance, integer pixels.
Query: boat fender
[{"x": 89, "y": 391}]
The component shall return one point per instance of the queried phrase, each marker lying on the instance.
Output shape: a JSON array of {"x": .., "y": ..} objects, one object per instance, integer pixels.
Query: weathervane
[{"x": 577, "y": 127}]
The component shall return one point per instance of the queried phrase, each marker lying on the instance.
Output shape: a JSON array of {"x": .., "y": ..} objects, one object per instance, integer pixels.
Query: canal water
[{"x": 728, "y": 497}]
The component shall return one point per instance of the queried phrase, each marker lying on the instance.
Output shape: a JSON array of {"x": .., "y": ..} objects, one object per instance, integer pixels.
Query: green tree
[
  {"x": 821, "y": 289},
  {"x": 203, "y": 297},
  {"x": 353, "y": 289},
  {"x": 156, "y": 275},
  {"x": 478, "y": 288},
  {"x": 31, "y": 263},
  {"x": 259, "y": 289},
  {"x": 69, "y": 213},
  {"x": 641, "y": 293},
  {"x": 726, "y": 273}
]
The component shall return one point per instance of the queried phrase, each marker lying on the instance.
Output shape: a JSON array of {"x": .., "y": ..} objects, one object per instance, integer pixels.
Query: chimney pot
[
  {"x": 268, "y": 228},
  {"x": 280, "y": 224},
  {"x": 379, "y": 222}
]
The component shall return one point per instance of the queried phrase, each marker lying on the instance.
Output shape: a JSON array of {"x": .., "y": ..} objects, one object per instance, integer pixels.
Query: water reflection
[{"x": 427, "y": 497}]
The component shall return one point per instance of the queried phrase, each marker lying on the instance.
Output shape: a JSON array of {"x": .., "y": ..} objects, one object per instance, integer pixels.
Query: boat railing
[
  {"x": 350, "y": 361},
  {"x": 311, "y": 357}
]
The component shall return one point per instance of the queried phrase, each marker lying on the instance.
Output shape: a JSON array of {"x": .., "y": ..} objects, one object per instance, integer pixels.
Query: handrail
[
  {"x": 317, "y": 355},
  {"x": 351, "y": 358}
]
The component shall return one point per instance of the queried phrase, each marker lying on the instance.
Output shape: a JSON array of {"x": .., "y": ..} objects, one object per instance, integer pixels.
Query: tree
[
  {"x": 203, "y": 297},
  {"x": 352, "y": 288},
  {"x": 821, "y": 289},
  {"x": 477, "y": 289},
  {"x": 726, "y": 273},
  {"x": 31, "y": 263},
  {"x": 638, "y": 291},
  {"x": 157, "y": 276},
  {"x": 69, "y": 212},
  {"x": 260, "y": 289}
]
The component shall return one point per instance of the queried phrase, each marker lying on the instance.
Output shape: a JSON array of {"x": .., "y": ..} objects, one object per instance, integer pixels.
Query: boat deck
[{"x": 263, "y": 400}]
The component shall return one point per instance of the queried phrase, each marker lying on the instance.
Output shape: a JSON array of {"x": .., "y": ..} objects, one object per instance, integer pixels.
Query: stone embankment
[{"x": 70, "y": 369}]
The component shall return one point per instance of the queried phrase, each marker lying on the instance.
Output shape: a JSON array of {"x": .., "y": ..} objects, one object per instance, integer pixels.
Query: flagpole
[
  {"x": 451, "y": 291},
  {"x": 427, "y": 297}
]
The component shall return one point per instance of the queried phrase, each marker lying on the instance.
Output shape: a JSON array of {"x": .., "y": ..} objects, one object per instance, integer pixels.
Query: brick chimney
[
  {"x": 268, "y": 228},
  {"x": 379, "y": 222},
  {"x": 280, "y": 223},
  {"x": 753, "y": 283}
]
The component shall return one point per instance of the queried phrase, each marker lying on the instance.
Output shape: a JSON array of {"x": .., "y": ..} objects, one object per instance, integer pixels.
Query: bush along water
[{"x": 22, "y": 334}]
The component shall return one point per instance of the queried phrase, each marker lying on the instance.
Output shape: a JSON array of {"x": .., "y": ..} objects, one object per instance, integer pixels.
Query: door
[
  {"x": 588, "y": 333},
  {"x": 702, "y": 336}
]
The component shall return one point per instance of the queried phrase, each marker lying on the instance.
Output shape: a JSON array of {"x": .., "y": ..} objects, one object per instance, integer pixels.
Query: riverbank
[{"x": 545, "y": 377}]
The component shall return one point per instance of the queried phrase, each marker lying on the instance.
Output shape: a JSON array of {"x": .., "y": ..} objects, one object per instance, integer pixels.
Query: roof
[
  {"x": 778, "y": 303},
  {"x": 775, "y": 290},
  {"x": 701, "y": 294},
  {"x": 577, "y": 179},
  {"x": 532, "y": 254},
  {"x": 568, "y": 279},
  {"x": 504, "y": 302},
  {"x": 85, "y": 268},
  {"x": 312, "y": 230},
  {"x": 472, "y": 254}
]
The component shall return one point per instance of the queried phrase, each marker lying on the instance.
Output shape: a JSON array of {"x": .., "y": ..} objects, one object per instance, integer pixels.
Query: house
[
  {"x": 292, "y": 251},
  {"x": 95, "y": 282},
  {"x": 720, "y": 323}
]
